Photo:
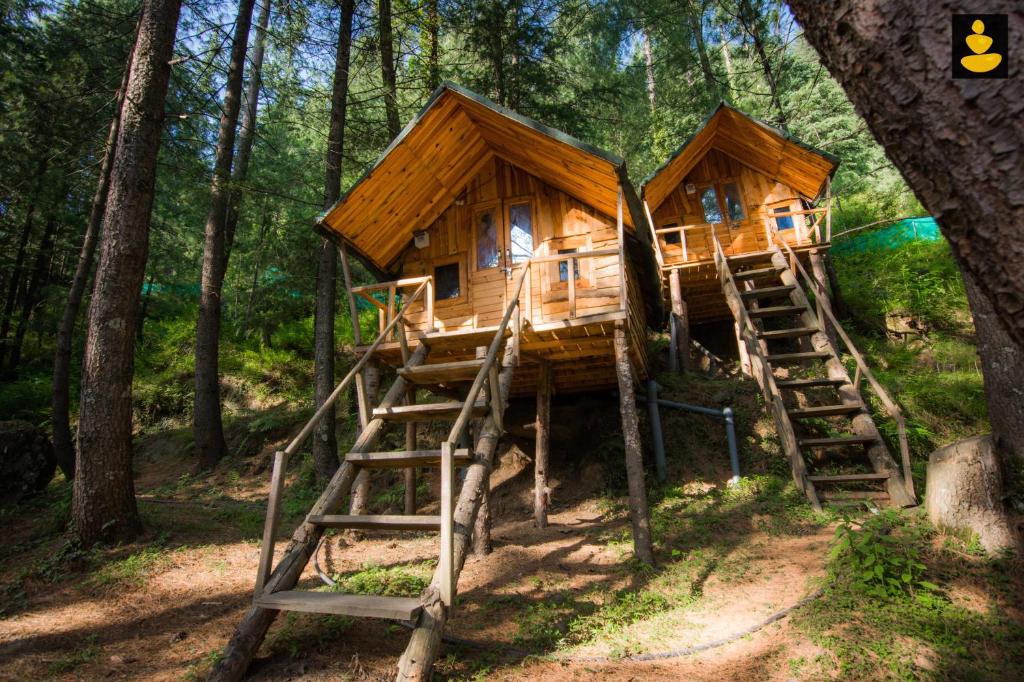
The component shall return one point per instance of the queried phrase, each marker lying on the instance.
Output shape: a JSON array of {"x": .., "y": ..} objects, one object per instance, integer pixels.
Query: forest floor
[{"x": 562, "y": 603}]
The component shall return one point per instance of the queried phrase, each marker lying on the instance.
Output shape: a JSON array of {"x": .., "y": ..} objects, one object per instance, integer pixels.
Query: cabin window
[
  {"x": 488, "y": 253},
  {"x": 563, "y": 267},
  {"x": 447, "y": 282},
  {"x": 784, "y": 222},
  {"x": 520, "y": 221},
  {"x": 672, "y": 237},
  {"x": 709, "y": 202},
  {"x": 733, "y": 201}
]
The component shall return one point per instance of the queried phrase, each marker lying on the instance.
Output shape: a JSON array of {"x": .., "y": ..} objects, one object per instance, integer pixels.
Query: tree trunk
[
  {"x": 207, "y": 424},
  {"x": 750, "y": 19},
  {"x": 14, "y": 285},
  {"x": 727, "y": 59},
  {"x": 361, "y": 488},
  {"x": 964, "y": 480},
  {"x": 63, "y": 445},
  {"x": 541, "y": 494},
  {"x": 30, "y": 297},
  {"x": 387, "y": 68},
  {"x": 694, "y": 19},
  {"x": 957, "y": 143},
  {"x": 433, "y": 28},
  {"x": 247, "y": 135},
  {"x": 103, "y": 502},
  {"x": 325, "y": 444},
  {"x": 634, "y": 460},
  {"x": 652, "y": 94}
]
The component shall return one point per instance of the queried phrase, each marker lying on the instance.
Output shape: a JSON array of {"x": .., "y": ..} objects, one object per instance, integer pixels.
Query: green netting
[{"x": 890, "y": 237}]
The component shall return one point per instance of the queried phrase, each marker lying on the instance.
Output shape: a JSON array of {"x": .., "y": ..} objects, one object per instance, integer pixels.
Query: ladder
[
  {"x": 815, "y": 392},
  {"x": 484, "y": 404}
]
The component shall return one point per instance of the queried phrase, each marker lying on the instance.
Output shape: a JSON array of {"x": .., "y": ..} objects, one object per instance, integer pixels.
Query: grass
[
  {"x": 389, "y": 581},
  {"x": 917, "y": 627},
  {"x": 86, "y": 651}
]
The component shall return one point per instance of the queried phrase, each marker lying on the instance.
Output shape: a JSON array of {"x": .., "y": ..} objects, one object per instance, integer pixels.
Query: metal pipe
[
  {"x": 659, "y": 443},
  {"x": 692, "y": 408},
  {"x": 730, "y": 435}
]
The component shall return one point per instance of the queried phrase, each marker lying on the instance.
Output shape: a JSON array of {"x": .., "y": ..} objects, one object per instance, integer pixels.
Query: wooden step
[
  {"x": 794, "y": 333},
  {"x": 405, "y": 459},
  {"x": 777, "y": 311},
  {"x": 780, "y": 358},
  {"x": 851, "y": 495},
  {"x": 378, "y": 522},
  {"x": 767, "y": 292},
  {"x": 847, "y": 478},
  {"x": 426, "y": 411},
  {"x": 359, "y": 605},
  {"x": 838, "y": 441},
  {"x": 758, "y": 272},
  {"x": 824, "y": 411},
  {"x": 797, "y": 384},
  {"x": 442, "y": 372}
]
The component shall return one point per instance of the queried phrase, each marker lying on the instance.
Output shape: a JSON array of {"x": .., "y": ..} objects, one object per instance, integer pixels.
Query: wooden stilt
[
  {"x": 680, "y": 320},
  {"x": 361, "y": 493},
  {"x": 541, "y": 493},
  {"x": 741, "y": 349},
  {"x": 410, "y": 446},
  {"x": 634, "y": 462}
]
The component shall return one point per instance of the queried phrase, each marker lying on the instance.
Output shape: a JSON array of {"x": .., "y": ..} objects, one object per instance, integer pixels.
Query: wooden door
[{"x": 520, "y": 243}]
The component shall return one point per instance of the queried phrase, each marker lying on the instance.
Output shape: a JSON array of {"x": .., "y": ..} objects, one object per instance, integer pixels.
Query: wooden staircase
[
  {"x": 835, "y": 449},
  {"x": 483, "y": 405}
]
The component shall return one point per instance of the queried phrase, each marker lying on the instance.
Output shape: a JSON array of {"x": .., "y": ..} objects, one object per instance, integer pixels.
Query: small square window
[
  {"x": 563, "y": 267},
  {"x": 672, "y": 237},
  {"x": 783, "y": 222},
  {"x": 447, "y": 284}
]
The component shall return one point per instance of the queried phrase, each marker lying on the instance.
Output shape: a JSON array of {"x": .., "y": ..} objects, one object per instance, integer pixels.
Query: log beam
[{"x": 541, "y": 494}]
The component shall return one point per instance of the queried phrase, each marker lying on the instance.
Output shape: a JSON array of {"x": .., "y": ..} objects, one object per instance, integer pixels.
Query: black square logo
[{"x": 980, "y": 46}]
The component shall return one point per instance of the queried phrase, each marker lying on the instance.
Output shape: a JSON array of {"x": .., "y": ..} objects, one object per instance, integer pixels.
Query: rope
[{"x": 655, "y": 656}]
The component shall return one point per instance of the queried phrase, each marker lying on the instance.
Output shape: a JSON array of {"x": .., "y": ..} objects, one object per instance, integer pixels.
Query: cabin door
[
  {"x": 519, "y": 244},
  {"x": 723, "y": 210}
]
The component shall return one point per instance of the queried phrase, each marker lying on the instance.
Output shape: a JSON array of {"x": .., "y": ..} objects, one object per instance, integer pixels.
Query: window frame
[
  {"x": 499, "y": 218},
  {"x": 507, "y": 229},
  {"x": 460, "y": 261}
]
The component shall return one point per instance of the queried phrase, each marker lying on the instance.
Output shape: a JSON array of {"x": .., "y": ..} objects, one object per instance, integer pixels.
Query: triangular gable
[
  {"x": 764, "y": 148},
  {"x": 425, "y": 168}
]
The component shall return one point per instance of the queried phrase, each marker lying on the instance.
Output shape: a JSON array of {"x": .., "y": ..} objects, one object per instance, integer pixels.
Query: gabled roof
[
  {"x": 750, "y": 141},
  {"x": 426, "y": 167}
]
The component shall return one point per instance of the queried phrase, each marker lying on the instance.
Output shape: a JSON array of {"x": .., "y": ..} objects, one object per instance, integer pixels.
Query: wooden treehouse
[
  {"x": 514, "y": 260},
  {"x": 741, "y": 214}
]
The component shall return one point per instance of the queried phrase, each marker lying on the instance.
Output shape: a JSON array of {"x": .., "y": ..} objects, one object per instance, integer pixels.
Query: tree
[
  {"x": 63, "y": 445},
  {"x": 103, "y": 502},
  {"x": 325, "y": 446},
  {"x": 207, "y": 424},
  {"x": 387, "y": 68}
]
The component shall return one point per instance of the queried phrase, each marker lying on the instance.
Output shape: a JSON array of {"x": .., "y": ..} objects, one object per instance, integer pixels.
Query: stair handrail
[
  {"x": 862, "y": 369},
  {"x": 281, "y": 456},
  {"x": 488, "y": 373},
  {"x": 766, "y": 380}
]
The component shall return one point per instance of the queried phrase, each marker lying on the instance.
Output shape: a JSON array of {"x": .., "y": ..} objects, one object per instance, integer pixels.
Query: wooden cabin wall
[
  {"x": 758, "y": 192},
  {"x": 559, "y": 222}
]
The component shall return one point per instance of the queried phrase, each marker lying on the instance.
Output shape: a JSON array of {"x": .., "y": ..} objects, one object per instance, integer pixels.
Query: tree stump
[{"x": 964, "y": 493}]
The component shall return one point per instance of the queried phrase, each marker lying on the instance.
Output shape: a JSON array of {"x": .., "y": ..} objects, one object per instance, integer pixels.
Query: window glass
[
  {"x": 446, "y": 282},
  {"x": 709, "y": 202},
  {"x": 521, "y": 232},
  {"x": 563, "y": 267},
  {"x": 783, "y": 222},
  {"x": 733, "y": 201},
  {"x": 487, "y": 253},
  {"x": 672, "y": 237}
]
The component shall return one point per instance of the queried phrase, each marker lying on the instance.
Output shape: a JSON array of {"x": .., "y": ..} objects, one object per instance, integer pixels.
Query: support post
[
  {"x": 270, "y": 528},
  {"x": 541, "y": 493},
  {"x": 410, "y": 446},
  {"x": 680, "y": 319},
  {"x": 659, "y": 442},
  {"x": 741, "y": 350},
  {"x": 634, "y": 463},
  {"x": 730, "y": 436},
  {"x": 361, "y": 488},
  {"x": 446, "y": 561}
]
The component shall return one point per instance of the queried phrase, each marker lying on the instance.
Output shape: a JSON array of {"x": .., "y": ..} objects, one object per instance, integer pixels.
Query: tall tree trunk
[
  {"x": 750, "y": 19},
  {"x": 325, "y": 446},
  {"x": 433, "y": 27},
  {"x": 959, "y": 145},
  {"x": 695, "y": 19},
  {"x": 652, "y": 95},
  {"x": 15, "y": 281},
  {"x": 63, "y": 445},
  {"x": 30, "y": 297},
  {"x": 247, "y": 135},
  {"x": 387, "y": 68},
  {"x": 727, "y": 59},
  {"x": 207, "y": 425},
  {"x": 103, "y": 501}
]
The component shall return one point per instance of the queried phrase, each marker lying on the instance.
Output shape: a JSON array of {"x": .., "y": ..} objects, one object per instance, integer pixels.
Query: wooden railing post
[
  {"x": 446, "y": 562},
  {"x": 571, "y": 277},
  {"x": 270, "y": 523}
]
